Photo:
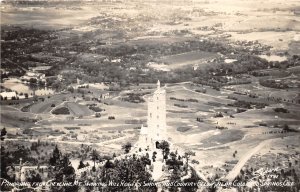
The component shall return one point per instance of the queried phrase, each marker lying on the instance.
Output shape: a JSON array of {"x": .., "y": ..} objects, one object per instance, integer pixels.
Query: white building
[
  {"x": 33, "y": 75},
  {"x": 156, "y": 120},
  {"x": 8, "y": 95},
  {"x": 104, "y": 96}
]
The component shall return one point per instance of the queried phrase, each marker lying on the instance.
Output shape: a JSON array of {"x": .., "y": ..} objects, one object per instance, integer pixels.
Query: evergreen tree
[
  {"x": 193, "y": 180},
  {"x": 81, "y": 165},
  {"x": 34, "y": 177},
  {"x": 62, "y": 171},
  {"x": 54, "y": 160},
  {"x": 165, "y": 147},
  {"x": 3, "y": 133},
  {"x": 187, "y": 156},
  {"x": 127, "y": 147},
  {"x": 175, "y": 178},
  {"x": 95, "y": 156},
  {"x": 4, "y": 165}
]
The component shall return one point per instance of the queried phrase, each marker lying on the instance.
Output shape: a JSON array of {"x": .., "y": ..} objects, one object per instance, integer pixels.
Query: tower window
[{"x": 157, "y": 117}]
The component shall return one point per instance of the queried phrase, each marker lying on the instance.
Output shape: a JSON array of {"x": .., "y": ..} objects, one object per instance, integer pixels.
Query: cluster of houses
[
  {"x": 33, "y": 75},
  {"x": 36, "y": 73},
  {"x": 8, "y": 95}
]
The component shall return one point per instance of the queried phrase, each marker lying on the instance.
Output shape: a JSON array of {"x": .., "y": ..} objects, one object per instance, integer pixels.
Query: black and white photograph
[{"x": 150, "y": 96}]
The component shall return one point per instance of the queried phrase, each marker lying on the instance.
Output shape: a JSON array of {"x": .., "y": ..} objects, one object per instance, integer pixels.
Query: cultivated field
[{"x": 190, "y": 58}]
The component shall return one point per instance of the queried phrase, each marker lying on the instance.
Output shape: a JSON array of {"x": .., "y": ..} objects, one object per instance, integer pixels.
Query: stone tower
[
  {"x": 157, "y": 115},
  {"x": 156, "y": 120}
]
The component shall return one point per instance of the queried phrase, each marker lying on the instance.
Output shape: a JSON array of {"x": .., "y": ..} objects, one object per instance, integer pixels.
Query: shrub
[
  {"x": 182, "y": 106},
  {"x": 281, "y": 110},
  {"x": 96, "y": 109},
  {"x": 199, "y": 119},
  {"x": 134, "y": 98},
  {"x": 201, "y": 91},
  {"x": 219, "y": 114},
  {"x": 61, "y": 111},
  {"x": 263, "y": 124},
  {"x": 193, "y": 100},
  {"x": 240, "y": 110},
  {"x": 221, "y": 127},
  {"x": 183, "y": 129}
]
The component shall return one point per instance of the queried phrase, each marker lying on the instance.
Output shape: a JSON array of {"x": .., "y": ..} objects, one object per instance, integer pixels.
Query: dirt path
[
  {"x": 203, "y": 94},
  {"x": 78, "y": 142},
  {"x": 216, "y": 97},
  {"x": 237, "y": 168}
]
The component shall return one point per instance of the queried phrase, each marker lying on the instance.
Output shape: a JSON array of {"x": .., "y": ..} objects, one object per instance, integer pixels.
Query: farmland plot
[
  {"x": 185, "y": 59},
  {"x": 78, "y": 110}
]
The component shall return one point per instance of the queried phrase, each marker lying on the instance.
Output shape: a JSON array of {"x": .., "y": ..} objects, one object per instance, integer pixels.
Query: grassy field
[
  {"x": 78, "y": 110},
  {"x": 295, "y": 70},
  {"x": 17, "y": 119},
  {"x": 46, "y": 105},
  {"x": 185, "y": 59},
  {"x": 225, "y": 136}
]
